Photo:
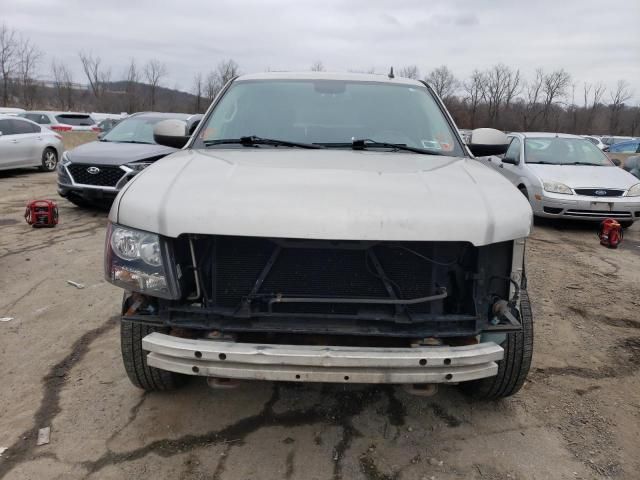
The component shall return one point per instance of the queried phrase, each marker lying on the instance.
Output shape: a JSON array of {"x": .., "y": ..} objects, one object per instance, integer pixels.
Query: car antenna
[{"x": 391, "y": 75}]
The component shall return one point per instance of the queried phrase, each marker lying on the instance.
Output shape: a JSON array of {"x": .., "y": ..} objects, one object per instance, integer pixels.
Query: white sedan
[
  {"x": 24, "y": 143},
  {"x": 567, "y": 176}
]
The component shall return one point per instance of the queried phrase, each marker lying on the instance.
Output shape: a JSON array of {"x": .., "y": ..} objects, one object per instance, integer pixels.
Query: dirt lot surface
[{"x": 578, "y": 415}]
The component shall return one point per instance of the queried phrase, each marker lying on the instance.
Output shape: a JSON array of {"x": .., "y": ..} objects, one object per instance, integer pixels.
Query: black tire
[
  {"x": 626, "y": 223},
  {"x": 49, "y": 160},
  {"x": 514, "y": 367},
  {"x": 135, "y": 360}
]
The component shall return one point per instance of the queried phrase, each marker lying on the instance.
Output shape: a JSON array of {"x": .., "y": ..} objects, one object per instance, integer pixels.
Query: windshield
[
  {"x": 330, "y": 113},
  {"x": 133, "y": 130},
  {"x": 564, "y": 151}
]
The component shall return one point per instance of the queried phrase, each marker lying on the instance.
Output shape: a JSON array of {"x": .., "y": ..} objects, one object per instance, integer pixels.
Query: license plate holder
[{"x": 602, "y": 206}]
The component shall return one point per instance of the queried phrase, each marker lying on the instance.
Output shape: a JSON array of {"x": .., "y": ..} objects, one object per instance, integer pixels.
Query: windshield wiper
[
  {"x": 543, "y": 163},
  {"x": 365, "y": 143},
  {"x": 586, "y": 163},
  {"x": 253, "y": 141},
  {"x": 132, "y": 141}
]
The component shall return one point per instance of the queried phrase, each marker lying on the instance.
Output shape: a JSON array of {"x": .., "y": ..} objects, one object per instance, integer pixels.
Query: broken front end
[{"x": 319, "y": 310}]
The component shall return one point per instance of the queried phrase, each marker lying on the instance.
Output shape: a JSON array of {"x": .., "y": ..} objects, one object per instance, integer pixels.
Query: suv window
[
  {"x": 20, "y": 127},
  {"x": 75, "y": 120},
  {"x": 40, "y": 118},
  {"x": 513, "y": 152},
  {"x": 6, "y": 127}
]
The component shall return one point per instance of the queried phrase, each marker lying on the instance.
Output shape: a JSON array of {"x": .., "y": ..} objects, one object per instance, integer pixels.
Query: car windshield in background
[
  {"x": 564, "y": 151},
  {"x": 76, "y": 120},
  {"x": 133, "y": 130},
  {"x": 330, "y": 113}
]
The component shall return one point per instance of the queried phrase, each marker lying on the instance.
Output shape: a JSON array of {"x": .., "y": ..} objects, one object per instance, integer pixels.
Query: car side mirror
[
  {"x": 510, "y": 161},
  {"x": 488, "y": 141},
  {"x": 171, "y": 133}
]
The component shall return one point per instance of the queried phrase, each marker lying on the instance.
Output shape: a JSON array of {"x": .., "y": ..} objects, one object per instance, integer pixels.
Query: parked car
[
  {"x": 323, "y": 228},
  {"x": 597, "y": 141},
  {"x": 64, "y": 121},
  {"x": 613, "y": 140},
  {"x": 12, "y": 111},
  {"x": 106, "y": 125},
  {"x": 623, "y": 150},
  {"x": 567, "y": 176},
  {"x": 93, "y": 173},
  {"x": 23, "y": 143}
]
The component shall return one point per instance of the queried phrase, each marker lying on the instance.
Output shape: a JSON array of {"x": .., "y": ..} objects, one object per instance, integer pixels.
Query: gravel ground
[{"x": 578, "y": 415}]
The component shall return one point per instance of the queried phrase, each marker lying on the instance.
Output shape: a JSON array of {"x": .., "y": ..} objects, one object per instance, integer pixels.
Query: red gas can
[{"x": 41, "y": 213}]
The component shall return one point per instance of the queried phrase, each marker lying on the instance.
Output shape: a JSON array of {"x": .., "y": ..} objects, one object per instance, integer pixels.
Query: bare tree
[
  {"x": 554, "y": 88},
  {"x": 533, "y": 95},
  {"x": 591, "y": 102},
  {"x": 619, "y": 97},
  {"x": 474, "y": 89},
  {"x": 131, "y": 86},
  {"x": 226, "y": 70},
  {"x": 443, "y": 81},
  {"x": 9, "y": 59},
  {"x": 218, "y": 78},
  {"x": 97, "y": 75},
  {"x": 63, "y": 85},
  {"x": 497, "y": 88},
  {"x": 410, "y": 71},
  {"x": 317, "y": 66},
  {"x": 30, "y": 56},
  {"x": 198, "y": 86},
  {"x": 154, "y": 72}
]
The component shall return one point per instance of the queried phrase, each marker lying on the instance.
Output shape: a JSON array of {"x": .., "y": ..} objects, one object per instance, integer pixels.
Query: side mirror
[
  {"x": 171, "y": 133},
  {"x": 510, "y": 161},
  {"x": 488, "y": 141}
]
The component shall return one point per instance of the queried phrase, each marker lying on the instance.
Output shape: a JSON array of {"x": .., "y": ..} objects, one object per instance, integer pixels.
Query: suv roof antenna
[{"x": 391, "y": 75}]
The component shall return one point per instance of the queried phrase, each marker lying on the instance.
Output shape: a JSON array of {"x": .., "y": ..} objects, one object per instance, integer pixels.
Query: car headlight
[
  {"x": 137, "y": 167},
  {"x": 64, "y": 160},
  {"x": 134, "y": 260},
  {"x": 556, "y": 187},
  {"x": 634, "y": 191}
]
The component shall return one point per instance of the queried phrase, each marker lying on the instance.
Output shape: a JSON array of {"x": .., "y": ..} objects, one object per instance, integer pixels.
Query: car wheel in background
[
  {"x": 523, "y": 190},
  {"x": 626, "y": 224},
  {"x": 49, "y": 160}
]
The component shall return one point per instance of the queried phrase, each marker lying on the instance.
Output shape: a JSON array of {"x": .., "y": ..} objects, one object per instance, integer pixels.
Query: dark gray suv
[{"x": 93, "y": 174}]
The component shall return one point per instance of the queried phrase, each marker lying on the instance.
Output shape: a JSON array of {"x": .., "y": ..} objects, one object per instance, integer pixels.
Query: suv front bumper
[{"x": 303, "y": 363}]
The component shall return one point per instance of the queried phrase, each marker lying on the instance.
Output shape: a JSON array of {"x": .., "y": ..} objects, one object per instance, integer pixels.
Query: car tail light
[{"x": 61, "y": 128}]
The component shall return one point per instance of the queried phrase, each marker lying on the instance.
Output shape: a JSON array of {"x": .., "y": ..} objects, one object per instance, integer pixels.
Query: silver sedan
[
  {"x": 567, "y": 176},
  {"x": 24, "y": 143}
]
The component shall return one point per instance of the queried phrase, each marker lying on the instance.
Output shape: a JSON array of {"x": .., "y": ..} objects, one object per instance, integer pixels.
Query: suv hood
[
  {"x": 113, "y": 153},
  {"x": 324, "y": 194}
]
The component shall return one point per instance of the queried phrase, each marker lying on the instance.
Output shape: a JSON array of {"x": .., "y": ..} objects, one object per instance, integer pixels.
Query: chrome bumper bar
[{"x": 302, "y": 363}]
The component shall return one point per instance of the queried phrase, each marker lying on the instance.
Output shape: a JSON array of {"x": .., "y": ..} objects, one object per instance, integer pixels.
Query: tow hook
[
  {"x": 502, "y": 311},
  {"x": 421, "y": 389}
]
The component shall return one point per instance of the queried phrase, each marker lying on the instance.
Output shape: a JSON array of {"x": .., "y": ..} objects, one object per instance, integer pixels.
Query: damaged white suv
[{"x": 324, "y": 228}]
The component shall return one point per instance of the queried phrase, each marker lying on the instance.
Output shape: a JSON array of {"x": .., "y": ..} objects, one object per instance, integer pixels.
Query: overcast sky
[{"x": 593, "y": 40}]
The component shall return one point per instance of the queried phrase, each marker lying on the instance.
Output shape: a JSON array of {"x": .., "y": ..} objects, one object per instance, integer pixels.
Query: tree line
[{"x": 499, "y": 96}]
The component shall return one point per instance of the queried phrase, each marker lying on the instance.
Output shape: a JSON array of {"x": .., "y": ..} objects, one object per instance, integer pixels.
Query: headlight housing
[
  {"x": 634, "y": 191},
  {"x": 135, "y": 260},
  {"x": 137, "y": 167},
  {"x": 556, "y": 187},
  {"x": 64, "y": 160}
]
